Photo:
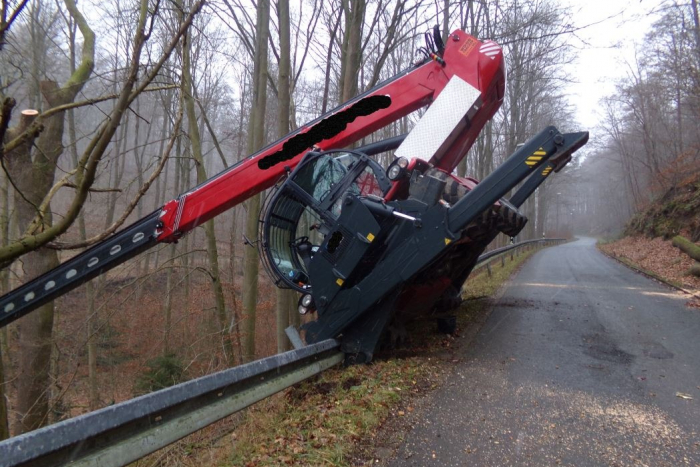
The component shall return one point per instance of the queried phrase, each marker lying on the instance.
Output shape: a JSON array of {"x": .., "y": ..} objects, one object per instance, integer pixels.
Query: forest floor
[
  {"x": 345, "y": 416},
  {"x": 656, "y": 257}
]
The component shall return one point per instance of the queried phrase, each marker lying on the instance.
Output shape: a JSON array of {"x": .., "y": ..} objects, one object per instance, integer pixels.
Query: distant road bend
[{"x": 581, "y": 363}]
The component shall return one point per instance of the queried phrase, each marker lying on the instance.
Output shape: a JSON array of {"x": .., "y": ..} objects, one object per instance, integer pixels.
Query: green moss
[
  {"x": 634, "y": 265},
  {"x": 675, "y": 212}
]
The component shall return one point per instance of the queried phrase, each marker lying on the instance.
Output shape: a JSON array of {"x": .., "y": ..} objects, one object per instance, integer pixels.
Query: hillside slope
[
  {"x": 677, "y": 212},
  {"x": 647, "y": 242}
]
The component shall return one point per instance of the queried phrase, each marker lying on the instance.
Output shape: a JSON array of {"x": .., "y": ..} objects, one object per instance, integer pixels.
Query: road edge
[
  {"x": 394, "y": 435},
  {"x": 647, "y": 274}
]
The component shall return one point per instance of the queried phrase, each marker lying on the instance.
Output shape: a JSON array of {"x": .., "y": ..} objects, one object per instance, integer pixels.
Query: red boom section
[{"x": 415, "y": 88}]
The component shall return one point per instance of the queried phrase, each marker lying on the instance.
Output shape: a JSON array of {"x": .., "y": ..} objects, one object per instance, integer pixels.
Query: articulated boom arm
[
  {"x": 480, "y": 65},
  {"x": 382, "y": 105}
]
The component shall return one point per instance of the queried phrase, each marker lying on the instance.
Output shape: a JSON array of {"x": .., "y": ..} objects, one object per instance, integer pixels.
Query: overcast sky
[{"x": 611, "y": 43}]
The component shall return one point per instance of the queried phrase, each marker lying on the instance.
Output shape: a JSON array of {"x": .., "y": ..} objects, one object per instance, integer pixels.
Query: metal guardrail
[
  {"x": 489, "y": 255},
  {"x": 125, "y": 432}
]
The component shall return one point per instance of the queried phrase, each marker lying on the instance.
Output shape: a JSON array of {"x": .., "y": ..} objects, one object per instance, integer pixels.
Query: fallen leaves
[{"x": 656, "y": 255}]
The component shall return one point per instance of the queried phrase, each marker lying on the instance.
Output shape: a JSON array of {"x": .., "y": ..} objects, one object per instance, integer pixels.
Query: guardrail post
[{"x": 488, "y": 269}]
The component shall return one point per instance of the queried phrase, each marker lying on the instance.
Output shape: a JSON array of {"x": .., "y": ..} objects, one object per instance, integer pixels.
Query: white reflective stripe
[
  {"x": 178, "y": 214},
  {"x": 457, "y": 102}
]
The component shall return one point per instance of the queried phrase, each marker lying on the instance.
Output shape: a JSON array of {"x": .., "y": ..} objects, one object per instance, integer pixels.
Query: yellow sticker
[
  {"x": 447, "y": 241},
  {"x": 533, "y": 160},
  {"x": 370, "y": 236},
  {"x": 339, "y": 281}
]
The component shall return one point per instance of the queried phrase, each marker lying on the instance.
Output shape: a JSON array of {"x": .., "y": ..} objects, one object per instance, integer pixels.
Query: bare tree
[
  {"x": 196, "y": 147},
  {"x": 256, "y": 135},
  {"x": 31, "y": 152},
  {"x": 284, "y": 297}
]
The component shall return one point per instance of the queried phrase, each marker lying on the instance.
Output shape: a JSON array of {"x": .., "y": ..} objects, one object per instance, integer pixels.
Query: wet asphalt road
[{"x": 578, "y": 364}]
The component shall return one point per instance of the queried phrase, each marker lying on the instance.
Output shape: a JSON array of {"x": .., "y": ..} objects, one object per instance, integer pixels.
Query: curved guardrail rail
[
  {"x": 499, "y": 251},
  {"x": 124, "y": 432}
]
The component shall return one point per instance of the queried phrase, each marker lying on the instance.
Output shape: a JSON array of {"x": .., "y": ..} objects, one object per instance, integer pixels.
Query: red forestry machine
[{"x": 365, "y": 246}]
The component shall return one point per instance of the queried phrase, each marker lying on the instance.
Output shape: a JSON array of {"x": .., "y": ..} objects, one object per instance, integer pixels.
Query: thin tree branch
[{"x": 132, "y": 205}]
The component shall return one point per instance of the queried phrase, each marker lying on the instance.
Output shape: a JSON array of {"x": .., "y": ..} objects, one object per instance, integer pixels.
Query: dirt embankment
[
  {"x": 647, "y": 245},
  {"x": 676, "y": 212}
]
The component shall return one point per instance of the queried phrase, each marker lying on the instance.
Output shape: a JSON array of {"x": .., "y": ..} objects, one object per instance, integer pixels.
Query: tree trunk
[
  {"x": 169, "y": 290},
  {"x": 93, "y": 397},
  {"x": 35, "y": 352},
  {"x": 351, "y": 55},
  {"x": 212, "y": 251},
  {"x": 687, "y": 247},
  {"x": 256, "y": 136},
  {"x": 696, "y": 28},
  {"x": 283, "y": 91},
  {"x": 34, "y": 178},
  {"x": 445, "y": 20},
  {"x": 695, "y": 269},
  {"x": 4, "y": 288},
  {"x": 4, "y": 424},
  {"x": 329, "y": 53}
]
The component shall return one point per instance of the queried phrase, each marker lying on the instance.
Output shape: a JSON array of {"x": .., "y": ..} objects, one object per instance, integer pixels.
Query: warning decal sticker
[{"x": 468, "y": 46}]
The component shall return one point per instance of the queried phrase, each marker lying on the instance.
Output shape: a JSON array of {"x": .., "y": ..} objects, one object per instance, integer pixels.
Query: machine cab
[{"x": 305, "y": 208}]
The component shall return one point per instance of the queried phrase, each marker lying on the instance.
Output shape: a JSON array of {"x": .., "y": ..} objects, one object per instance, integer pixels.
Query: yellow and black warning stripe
[
  {"x": 536, "y": 157},
  {"x": 546, "y": 170}
]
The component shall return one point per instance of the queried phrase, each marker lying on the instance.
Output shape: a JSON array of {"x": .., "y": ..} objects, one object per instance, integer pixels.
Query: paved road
[{"x": 579, "y": 364}]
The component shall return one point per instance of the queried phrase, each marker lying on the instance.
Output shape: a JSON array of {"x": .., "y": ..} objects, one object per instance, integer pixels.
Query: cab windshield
[{"x": 308, "y": 204}]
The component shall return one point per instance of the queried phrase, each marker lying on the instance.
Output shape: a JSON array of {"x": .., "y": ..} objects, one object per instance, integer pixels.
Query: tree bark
[
  {"x": 212, "y": 251},
  {"x": 445, "y": 20},
  {"x": 4, "y": 424},
  {"x": 93, "y": 396},
  {"x": 34, "y": 179},
  {"x": 696, "y": 28},
  {"x": 329, "y": 53},
  {"x": 695, "y": 269},
  {"x": 283, "y": 94},
  {"x": 256, "y": 136},
  {"x": 687, "y": 247},
  {"x": 4, "y": 288}
]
